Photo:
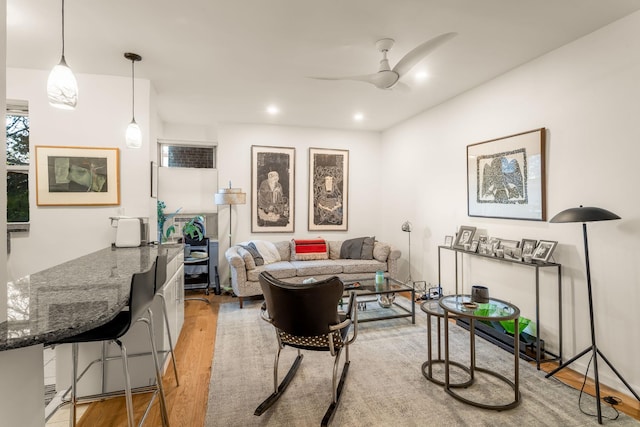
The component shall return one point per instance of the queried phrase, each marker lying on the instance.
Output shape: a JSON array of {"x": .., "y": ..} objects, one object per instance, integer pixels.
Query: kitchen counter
[{"x": 75, "y": 296}]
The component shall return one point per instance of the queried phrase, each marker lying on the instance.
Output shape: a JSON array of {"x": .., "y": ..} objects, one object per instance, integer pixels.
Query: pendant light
[
  {"x": 134, "y": 135},
  {"x": 62, "y": 87}
]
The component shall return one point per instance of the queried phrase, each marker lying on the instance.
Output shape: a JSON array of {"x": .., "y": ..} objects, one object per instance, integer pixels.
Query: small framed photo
[
  {"x": 514, "y": 254},
  {"x": 474, "y": 246},
  {"x": 528, "y": 246},
  {"x": 485, "y": 249},
  {"x": 544, "y": 250},
  {"x": 483, "y": 238},
  {"x": 504, "y": 243},
  {"x": 448, "y": 241},
  {"x": 464, "y": 236}
]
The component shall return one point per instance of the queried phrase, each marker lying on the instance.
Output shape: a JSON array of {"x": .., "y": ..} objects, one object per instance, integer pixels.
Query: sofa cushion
[
  {"x": 381, "y": 251},
  {"x": 334, "y": 248},
  {"x": 279, "y": 270},
  {"x": 316, "y": 267},
  {"x": 361, "y": 266},
  {"x": 308, "y": 249}
]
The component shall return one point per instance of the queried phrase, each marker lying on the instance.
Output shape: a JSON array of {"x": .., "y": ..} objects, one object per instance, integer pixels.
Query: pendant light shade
[
  {"x": 62, "y": 87},
  {"x": 134, "y": 134}
]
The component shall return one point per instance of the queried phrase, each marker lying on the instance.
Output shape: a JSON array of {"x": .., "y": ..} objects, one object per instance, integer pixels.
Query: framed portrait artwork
[
  {"x": 272, "y": 189},
  {"x": 77, "y": 176},
  {"x": 544, "y": 250},
  {"x": 528, "y": 246},
  {"x": 464, "y": 236},
  {"x": 328, "y": 189},
  {"x": 506, "y": 177}
]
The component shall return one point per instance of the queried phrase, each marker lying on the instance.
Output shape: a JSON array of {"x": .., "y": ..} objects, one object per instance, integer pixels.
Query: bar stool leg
[
  {"x": 166, "y": 322},
  {"x": 127, "y": 382},
  {"x": 74, "y": 384},
  {"x": 163, "y": 404}
]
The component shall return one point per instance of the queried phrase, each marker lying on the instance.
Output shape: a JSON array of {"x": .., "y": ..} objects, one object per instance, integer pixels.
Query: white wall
[
  {"x": 234, "y": 154},
  {"x": 100, "y": 120},
  {"x": 587, "y": 94}
]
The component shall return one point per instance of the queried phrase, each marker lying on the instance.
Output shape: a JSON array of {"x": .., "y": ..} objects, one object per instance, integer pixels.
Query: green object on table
[{"x": 508, "y": 326}]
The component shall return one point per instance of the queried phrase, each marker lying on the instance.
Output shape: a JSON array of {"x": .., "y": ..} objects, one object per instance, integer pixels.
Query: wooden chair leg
[{"x": 240, "y": 301}]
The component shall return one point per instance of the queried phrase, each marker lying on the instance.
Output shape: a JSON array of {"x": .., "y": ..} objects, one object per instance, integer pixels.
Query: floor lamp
[
  {"x": 406, "y": 227},
  {"x": 230, "y": 196},
  {"x": 584, "y": 215}
]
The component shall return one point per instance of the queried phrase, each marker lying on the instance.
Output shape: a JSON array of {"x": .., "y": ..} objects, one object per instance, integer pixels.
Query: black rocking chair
[{"x": 306, "y": 317}]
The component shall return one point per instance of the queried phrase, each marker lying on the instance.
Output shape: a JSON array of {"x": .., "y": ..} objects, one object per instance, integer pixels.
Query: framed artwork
[
  {"x": 448, "y": 241},
  {"x": 485, "y": 249},
  {"x": 512, "y": 253},
  {"x": 464, "y": 236},
  {"x": 328, "y": 189},
  {"x": 544, "y": 250},
  {"x": 77, "y": 176},
  {"x": 272, "y": 189},
  {"x": 506, "y": 177},
  {"x": 528, "y": 246},
  {"x": 154, "y": 180}
]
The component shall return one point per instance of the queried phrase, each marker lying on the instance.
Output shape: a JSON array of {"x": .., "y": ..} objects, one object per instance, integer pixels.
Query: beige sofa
[{"x": 244, "y": 271}]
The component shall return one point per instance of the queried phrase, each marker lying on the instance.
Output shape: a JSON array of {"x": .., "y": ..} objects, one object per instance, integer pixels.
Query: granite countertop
[{"x": 74, "y": 297}]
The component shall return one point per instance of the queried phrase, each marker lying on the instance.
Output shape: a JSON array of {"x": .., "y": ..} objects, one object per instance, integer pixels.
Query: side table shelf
[{"x": 536, "y": 266}]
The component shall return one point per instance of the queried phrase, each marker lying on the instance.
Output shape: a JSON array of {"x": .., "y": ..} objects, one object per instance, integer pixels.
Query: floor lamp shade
[
  {"x": 230, "y": 196},
  {"x": 584, "y": 214}
]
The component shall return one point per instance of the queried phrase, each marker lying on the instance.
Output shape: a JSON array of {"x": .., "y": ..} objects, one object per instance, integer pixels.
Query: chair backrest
[
  {"x": 161, "y": 271},
  {"x": 142, "y": 292},
  {"x": 302, "y": 309}
]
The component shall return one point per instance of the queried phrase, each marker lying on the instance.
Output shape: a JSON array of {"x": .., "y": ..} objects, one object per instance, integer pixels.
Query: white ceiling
[{"x": 213, "y": 61}]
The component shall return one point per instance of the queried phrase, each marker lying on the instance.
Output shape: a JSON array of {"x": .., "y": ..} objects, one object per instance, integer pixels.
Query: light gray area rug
[{"x": 385, "y": 385}]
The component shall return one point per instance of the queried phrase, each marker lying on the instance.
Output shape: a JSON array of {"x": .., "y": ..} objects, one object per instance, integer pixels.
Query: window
[
  {"x": 17, "y": 125},
  {"x": 185, "y": 155}
]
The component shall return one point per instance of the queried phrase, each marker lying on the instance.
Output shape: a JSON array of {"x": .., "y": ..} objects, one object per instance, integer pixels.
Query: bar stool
[
  {"x": 141, "y": 296},
  {"x": 432, "y": 308}
]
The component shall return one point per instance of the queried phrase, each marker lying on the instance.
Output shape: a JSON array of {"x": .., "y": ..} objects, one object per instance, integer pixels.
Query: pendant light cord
[
  {"x": 133, "y": 91},
  {"x": 63, "y": 29}
]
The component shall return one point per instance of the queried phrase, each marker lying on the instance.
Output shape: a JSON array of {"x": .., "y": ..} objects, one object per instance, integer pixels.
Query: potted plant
[
  {"x": 163, "y": 235},
  {"x": 194, "y": 228}
]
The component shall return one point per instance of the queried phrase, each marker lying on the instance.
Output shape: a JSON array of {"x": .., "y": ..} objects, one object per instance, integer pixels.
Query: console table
[{"x": 535, "y": 266}]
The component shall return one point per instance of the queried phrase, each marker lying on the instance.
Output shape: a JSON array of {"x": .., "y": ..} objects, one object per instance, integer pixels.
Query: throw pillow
[
  {"x": 352, "y": 248},
  {"x": 251, "y": 248},
  {"x": 248, "y": 259},
  {"x": 381, "y": 251},
  {"x": 305, "y": 250},
  {"x": 367, "y": 248},
  {"x": 334, "y": 248}
]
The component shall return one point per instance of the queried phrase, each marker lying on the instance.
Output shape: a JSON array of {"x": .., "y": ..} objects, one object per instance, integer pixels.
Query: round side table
[
  {"x": 461, "y": 306},
  {"x": 433, "y": 308}
]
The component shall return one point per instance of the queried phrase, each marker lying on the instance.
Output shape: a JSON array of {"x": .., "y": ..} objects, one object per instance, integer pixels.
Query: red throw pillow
[{"x": 309, "y": 249}]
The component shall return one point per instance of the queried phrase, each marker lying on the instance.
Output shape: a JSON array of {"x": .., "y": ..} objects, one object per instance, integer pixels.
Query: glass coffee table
[{"x": 379, "y": 302}]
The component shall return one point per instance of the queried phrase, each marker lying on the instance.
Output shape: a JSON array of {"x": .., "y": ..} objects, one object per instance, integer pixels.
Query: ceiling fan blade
[
  {"x": 401, "y": 87},
  {"x": 381, "y": 79},
  {"x": 417, "y": 54}
]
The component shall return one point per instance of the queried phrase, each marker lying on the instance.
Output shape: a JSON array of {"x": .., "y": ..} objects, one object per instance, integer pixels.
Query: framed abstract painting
[{"x": 77, "y": 176}]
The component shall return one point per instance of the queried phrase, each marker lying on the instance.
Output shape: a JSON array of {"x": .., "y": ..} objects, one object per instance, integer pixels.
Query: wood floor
[{"x": 187, "y": 404}]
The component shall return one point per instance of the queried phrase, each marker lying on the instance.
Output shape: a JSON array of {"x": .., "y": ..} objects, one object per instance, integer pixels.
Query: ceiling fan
[{"x": 388, "y": 78}]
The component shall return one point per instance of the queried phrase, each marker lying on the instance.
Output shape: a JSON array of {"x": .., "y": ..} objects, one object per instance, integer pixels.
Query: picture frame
[
  {"x": 448, "y": 241},
  {"x": 328, "y": 190},
  {"x": 512, "y": 253},
  {"x": 272, "y": 189},
  {"x": 154, "y": 180},
  {"x": 485, "y": 249},
  {"x": 464, "y": 236},
  {"x": 474, "y": 246},
  {"x": 544, "y": 250},
  {"x": 505, "y": 243},
  {"x": 77, "y": 176},
  {"x": 506, "y": 177},
  {"x": 528, "y": 246}
]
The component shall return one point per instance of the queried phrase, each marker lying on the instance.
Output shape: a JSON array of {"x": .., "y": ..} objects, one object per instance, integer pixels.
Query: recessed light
[
  {"x": 358, "y": 117},
  {"x": 421, "y": 75},
  {"x": 273, "y": 109}
]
